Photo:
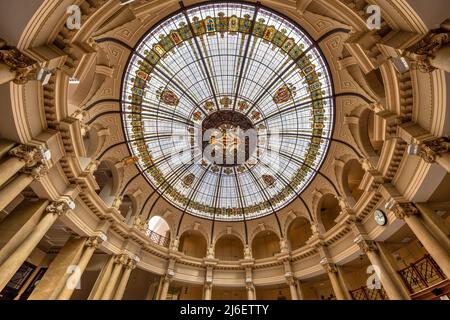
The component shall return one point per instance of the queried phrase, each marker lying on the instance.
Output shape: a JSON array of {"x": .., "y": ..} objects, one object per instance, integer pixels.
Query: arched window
[
  {"x": 329, "y": 210},
  {"x": 299, "y": 232},
  {"x": 265, "y": 244},
  {"x": 193, "y": 243},
  {"x": 159, "y": 226},
  {"x": 230, "y": 248}
]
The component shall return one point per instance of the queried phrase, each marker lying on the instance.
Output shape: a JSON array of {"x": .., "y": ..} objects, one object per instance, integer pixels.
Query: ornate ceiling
[{"x": 214, "y": 80}]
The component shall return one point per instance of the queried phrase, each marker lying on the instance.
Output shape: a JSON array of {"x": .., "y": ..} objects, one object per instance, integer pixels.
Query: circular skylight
[{"x": 229, "y": 109}]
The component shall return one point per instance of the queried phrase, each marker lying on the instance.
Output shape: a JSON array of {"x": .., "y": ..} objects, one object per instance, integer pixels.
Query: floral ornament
[
  {"x": 209, "y": 106},
  {"x": 243, "y": 105},
  {"x": 228, "y": 171},
  {"x": 269, "y": 180},
  {"x": 256, "y": 115},
  {"x": 188, "y": 180},
  {"x": 197, "y": 116},
  {"x": 226, "y": 102},
  {"x": 168, "y": 97},
  {"x": 284, "y": 94}
]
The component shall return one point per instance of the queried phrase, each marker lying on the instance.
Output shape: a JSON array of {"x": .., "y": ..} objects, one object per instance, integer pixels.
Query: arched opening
[
  {"x": 352, "y": 176},
  {"x": 329, "y": 210},
  {"x": 265, "y": 244},
  {"x": 373, "y": 137},
  {"x": 193, "y": 243},
  {"x": 299, "y": 232},
  {"x": 159, "y": 231},
  {"x": 229, "y": 248},
  {"x": 126, "y": 209},
  {"x": 105, "y": 180}
]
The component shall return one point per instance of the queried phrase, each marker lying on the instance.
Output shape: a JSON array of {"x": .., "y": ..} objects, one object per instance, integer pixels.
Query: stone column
[
  {"x": 91, "y": 244},
  {"x": 165, "y": 287},
  {"x": 409, "y": 213},
  {"x": 208, "y": 291},
  {"x": 332, "y": 271},
  {"x": 250, "y": 291},
  {"x": 300, "y": 291},
  {"x": 16, "y": 226},
  {"x": 291, "y": 283},
  {"x": 436, "y": 151},
  {"x": 438, "y": 226},
  {"x": 20, "y": 157},
  {"x": 382, "y": 273},
  {"x": 5, "y": 147},
  {"x": 119, "y": 263},
  {"x": 130, "y": 266},
  {"x": 102, "y": 280},
  {"x": 16, "y": 259}
]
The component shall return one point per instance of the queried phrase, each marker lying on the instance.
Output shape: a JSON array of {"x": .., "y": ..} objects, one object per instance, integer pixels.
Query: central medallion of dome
[{"x": 229, "y": 108}]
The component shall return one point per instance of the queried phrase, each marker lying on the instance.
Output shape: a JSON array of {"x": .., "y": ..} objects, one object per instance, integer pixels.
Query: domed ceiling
[{"x": 229, "y": 109}]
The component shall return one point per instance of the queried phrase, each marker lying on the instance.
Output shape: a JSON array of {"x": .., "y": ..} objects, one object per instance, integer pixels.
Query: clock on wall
[{"x": 380, "y": 217}]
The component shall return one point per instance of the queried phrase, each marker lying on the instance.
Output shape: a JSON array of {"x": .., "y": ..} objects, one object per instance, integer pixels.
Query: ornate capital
[
  {"x": 94, "y": 242},
  {"x": 430, "y": 150},
  {"x": 404, "y": 210},
  {"x": 36, "y": 172},
  {"x": 58, "y": 207},
  {"x": 328, "y": 266},
  {"x": 425, "y": 50},
  {"x": 365, "y": 245},
  {"x": 31, "y": 155},
  {"x": 121, "y": 259},
  {"x": 18, "y": 63},
  {"x": 131, "y": 264}
]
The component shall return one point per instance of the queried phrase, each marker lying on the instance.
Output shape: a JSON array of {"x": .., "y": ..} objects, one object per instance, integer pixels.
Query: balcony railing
[
  {"x": 158, "y": 239},
  {"x": 422, "y": 274},
  {"x": 364, "y": 293}
]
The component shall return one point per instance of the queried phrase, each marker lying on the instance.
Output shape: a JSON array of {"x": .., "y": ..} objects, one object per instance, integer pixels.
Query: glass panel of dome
[{"x": 254, "y": 68}]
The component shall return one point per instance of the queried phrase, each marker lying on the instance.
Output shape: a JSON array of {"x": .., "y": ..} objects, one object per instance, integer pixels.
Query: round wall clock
[{"x": 380, "y": 217}]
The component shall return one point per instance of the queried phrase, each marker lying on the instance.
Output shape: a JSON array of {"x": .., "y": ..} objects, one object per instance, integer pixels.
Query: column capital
[
  {"x": 365, "y": 245},
  {"x": 23, "y": 67},
  {"x": 121, "y": 259},
  {"x": 328, "y": 266},
  {"x": 404, "y": 210},
  {"x": 430, "y": 150},
  {"x": 131, "y": 264},
  {"x": 31, "y": 155},
  {"x": 95, "y": 241},
  {"x": 425, "y": 50},
  {"x": 59, "y": 207}
]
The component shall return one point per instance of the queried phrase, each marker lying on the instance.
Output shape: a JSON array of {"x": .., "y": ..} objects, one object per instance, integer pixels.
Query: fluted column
[
  {"x": 436, "y": 151},
  {"x": 119, "y": 263},
  {"x": 16, "y": 259},
  {"x": 332, "y": 271},
  {"x": 130, "y": 266},
  {"x": 208, "y": 291},
  {"x": 91, "y": 244},
  {"x": 102, "y": 280},
  {"x": 409, "y": 213},
  {"x": 370, "y": 248},
  {"x": 165, "y": 288}
]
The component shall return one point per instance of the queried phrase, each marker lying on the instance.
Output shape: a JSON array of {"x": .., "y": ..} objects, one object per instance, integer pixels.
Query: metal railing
[
  {"x": 422, "y": 274},
  {"x": 364, "y": 293},
  {"x": 158, "y": 239}
]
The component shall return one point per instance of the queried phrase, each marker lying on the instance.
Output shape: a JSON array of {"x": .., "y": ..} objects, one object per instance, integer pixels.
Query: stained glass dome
[{"x": 199, "y": 81}]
